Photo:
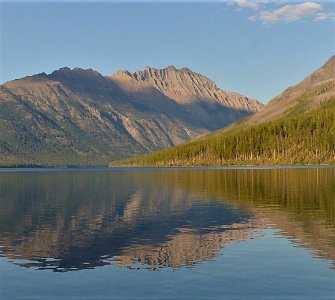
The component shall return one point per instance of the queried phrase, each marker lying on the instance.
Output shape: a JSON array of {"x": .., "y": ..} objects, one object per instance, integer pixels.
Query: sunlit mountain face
[{"x": 151, "y": 219}]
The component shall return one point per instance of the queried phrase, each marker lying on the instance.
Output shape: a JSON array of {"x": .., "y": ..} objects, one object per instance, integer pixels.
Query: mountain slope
[
  {"x": 193, "y": 92},
  {"x": 297, "y": 127},
  {"x": 301, "y": 97},
  {"x": 79, "y": 117}
]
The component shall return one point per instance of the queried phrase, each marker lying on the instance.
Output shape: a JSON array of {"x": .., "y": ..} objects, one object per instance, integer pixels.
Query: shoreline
[{"x": 125, "y": 168}]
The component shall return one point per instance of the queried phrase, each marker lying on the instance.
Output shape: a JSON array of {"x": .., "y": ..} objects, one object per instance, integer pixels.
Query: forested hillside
[{"x": 298, "y": 139}]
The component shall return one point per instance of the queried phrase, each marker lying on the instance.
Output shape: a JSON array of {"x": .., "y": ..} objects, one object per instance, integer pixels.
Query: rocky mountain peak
[
  {"x": 171, "y": 68},
  {"x": 330, "y": 63},
  {"x": 122, "y": 74},
  {"x": 326, "y": 72},
  {"x": 80, "y": 80},
  {"x": 75, "y": 73},
  {"x": 176, "y": 83},
  {"x": 168, "y": 73},
  {"x": 171, "y": 76},
  {"x": 62, "y": 70},
  {"x": 304, "y": 96},
  {"x": 188, "y": 87}
]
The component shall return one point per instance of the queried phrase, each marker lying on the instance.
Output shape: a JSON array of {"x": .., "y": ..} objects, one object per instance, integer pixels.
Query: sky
[{"x": 257, "y": 48}]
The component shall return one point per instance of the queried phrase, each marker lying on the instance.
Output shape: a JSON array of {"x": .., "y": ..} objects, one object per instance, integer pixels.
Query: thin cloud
[
  {"x": 256, "y": 5},
  {"x": 324, "y": 16},
  {"x": 288, "y": 13}
]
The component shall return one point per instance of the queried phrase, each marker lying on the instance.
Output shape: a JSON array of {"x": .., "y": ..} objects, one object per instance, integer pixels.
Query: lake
[{"x": 193, "y": 233}]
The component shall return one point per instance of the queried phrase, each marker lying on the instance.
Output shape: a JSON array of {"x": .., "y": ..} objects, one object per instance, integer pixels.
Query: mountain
[
  {"x": 79, "y": 117},
  {"x": 199, "y": 96},
  {"x": 305, "y": 96},
  {"x": 296, "y": 127}
]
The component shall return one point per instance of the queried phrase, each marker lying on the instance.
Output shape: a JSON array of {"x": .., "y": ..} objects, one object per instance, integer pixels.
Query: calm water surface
[{"x": 168, "y": 234}]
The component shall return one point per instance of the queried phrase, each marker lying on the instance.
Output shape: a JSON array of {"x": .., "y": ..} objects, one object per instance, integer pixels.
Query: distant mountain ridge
[{"x": 79, "y": 117}]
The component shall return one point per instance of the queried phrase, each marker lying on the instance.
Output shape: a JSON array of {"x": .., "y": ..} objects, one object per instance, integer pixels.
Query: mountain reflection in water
[{"x": 70, "y": 220}]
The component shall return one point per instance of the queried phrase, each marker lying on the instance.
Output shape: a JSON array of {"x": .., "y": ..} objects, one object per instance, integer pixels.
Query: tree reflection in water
[{"x": 70, "y": 220}]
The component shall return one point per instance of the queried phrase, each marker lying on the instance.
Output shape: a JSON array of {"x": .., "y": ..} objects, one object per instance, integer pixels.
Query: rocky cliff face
[
  {"x": 81, "y": 117},
  {"x": 197, "y": 94},
  {"x": 186, "y": 86}
]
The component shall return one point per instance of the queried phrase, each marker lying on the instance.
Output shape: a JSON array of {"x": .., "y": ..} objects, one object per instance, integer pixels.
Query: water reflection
[{"x": 158, "y": 218}]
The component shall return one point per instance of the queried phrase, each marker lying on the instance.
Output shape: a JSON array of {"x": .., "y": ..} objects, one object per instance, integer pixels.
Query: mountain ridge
[
  {"x": 79, "y": 117},
  {"x": 191, "y": 85},
  {"x": 286, "y": 101}
]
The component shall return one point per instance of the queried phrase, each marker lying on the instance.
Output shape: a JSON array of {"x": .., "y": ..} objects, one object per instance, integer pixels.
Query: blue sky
[{"x": 255, "y": 48}]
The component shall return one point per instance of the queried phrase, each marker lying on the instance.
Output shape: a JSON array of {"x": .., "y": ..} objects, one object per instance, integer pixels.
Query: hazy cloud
[
  {"x": 289, "y": 13},
  {"x": 324, "y": 16},
  {"x": 250, "y": 4}
]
